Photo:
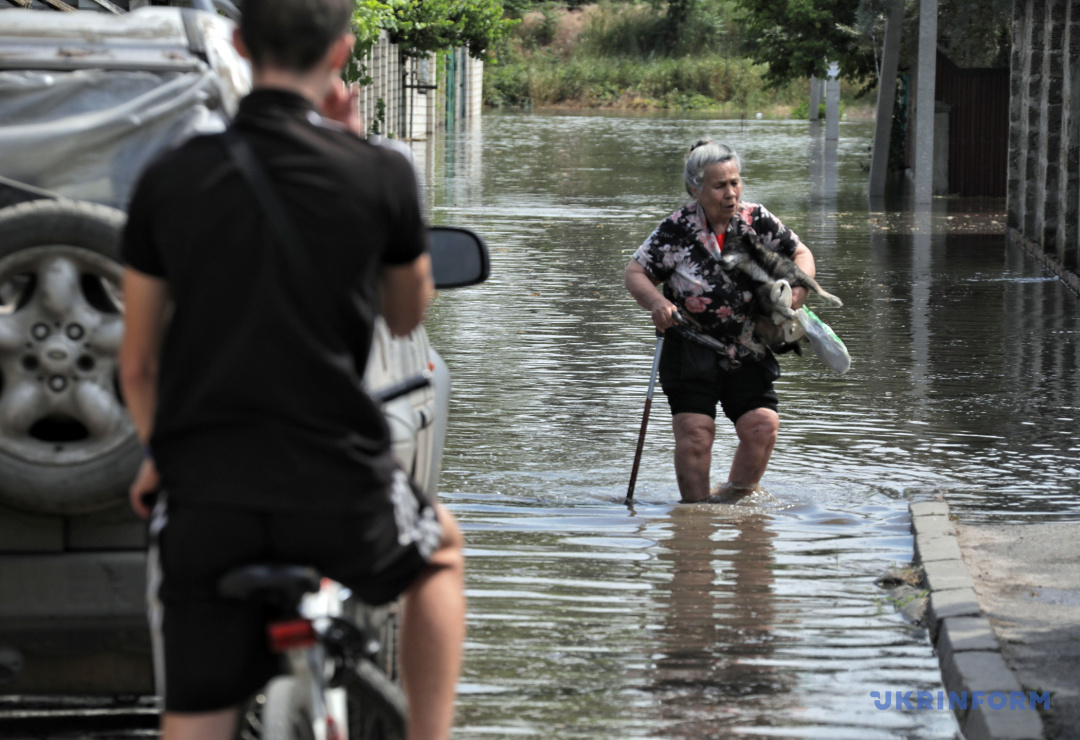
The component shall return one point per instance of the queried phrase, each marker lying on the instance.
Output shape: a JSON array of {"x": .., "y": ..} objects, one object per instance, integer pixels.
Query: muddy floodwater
[{"x": 589, "y": 619}]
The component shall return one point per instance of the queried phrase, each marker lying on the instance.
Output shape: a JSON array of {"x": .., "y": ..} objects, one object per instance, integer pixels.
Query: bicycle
[
  {"x": 335, "y": 687},
  {"x": 339, "y": 654}
]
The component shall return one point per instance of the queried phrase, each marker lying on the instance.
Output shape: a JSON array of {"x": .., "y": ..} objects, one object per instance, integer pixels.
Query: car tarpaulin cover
[{"x": 87, "y": 131}]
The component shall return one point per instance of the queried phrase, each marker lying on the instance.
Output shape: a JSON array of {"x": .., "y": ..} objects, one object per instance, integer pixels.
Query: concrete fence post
[
  {"x": 1050, "y": 102},
  {"x": 1014, "y": 194},
  {"x": 411, "y": 109},
  {"x": 1035, "y": 37},
  {"x": 924, "y": 102},
  {"x": 890, "y": 60},
  {"x": 815, "y": 98},
  {"x": 1069, "y": 188},
  {"x": 1043, "y": 197},
  {"x": 832, "y": 103}
]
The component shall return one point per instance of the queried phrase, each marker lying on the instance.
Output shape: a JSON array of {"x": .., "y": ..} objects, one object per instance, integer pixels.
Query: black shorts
[
  {"x": 211, "y": 653},
  {"x": 694, "y": 382}
]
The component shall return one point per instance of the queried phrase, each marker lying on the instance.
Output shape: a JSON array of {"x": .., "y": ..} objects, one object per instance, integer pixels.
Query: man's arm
[
  {"x": 406, "y": 291},
  {"x": 146, "y": 301}
]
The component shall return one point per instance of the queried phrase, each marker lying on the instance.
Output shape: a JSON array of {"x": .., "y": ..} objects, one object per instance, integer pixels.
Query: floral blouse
[{"x": 683, "y": 254}]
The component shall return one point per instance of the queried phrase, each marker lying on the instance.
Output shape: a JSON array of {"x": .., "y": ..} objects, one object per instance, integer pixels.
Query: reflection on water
[
  {"x": 594, "y": 621},
  {"x": 717, "y": 615}
]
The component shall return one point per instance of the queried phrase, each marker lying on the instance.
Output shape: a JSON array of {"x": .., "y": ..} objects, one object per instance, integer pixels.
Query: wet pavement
[{"x": 1027, "y": 583}]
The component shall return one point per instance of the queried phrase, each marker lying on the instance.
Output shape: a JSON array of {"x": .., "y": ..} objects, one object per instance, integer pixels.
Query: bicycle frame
[{"x": 303, "y": 642}]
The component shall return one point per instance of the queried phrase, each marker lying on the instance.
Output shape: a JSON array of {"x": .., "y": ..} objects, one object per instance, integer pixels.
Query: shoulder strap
[
  {"x": 291, "y": 268},
  {"x": 259, "y": 181}
]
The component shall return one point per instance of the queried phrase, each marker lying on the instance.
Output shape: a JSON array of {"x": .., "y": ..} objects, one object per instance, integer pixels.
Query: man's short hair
[{"x": 292, "y": 34}]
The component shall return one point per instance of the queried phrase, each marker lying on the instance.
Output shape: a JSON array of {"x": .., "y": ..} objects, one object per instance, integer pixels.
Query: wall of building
[{"x": 1043, "y": 197}]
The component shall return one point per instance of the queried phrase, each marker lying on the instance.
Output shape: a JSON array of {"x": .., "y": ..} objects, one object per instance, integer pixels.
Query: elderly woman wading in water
[{"x": 682, "y": 255}]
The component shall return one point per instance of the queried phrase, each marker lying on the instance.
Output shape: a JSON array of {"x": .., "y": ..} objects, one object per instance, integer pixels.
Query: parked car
[{"x": 86, "y": 100}]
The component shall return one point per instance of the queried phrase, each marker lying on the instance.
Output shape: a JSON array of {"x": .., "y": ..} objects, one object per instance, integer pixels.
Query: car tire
[{"x": 67, "y": 445}]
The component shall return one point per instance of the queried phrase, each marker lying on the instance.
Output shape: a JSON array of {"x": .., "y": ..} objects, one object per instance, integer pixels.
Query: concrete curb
[{"x": 967, "y": 650}]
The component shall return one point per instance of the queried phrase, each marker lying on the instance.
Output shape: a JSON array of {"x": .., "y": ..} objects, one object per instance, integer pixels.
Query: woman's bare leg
[
  {"x": 757, "y": 430},
  {"x": 694, "y": 435}
]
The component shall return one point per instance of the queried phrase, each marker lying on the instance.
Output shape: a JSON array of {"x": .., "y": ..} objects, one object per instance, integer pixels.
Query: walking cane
[{"x": 645, "y": 419}]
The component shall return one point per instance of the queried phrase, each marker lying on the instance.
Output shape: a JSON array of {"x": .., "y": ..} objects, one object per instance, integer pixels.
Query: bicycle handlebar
[{"x": 393, "y": 391}]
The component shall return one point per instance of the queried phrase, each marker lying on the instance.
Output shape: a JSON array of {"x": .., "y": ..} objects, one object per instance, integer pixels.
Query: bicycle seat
[{"x": 278, "y": 584}]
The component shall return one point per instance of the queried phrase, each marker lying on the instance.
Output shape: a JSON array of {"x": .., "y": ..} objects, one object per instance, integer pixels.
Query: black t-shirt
[{"x": 259, "y": 396}]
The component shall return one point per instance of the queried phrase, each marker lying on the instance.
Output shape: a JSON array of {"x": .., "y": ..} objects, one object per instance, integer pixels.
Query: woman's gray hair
[{"x": 703, "y": 153}]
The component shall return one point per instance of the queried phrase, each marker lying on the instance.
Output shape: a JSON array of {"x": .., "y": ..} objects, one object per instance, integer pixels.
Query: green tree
[
  {"x": 976, "y": 34},
  {"x": 369, "y": 20},
  {"x": 422, "y": 26},
  {"x": 797, "y": 38},
  {"x": 679, "y": 13}
]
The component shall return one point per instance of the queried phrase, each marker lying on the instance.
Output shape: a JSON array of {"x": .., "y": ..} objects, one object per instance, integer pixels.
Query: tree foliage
[
  {"x": 976, "y": 34},
  {"x": 369, "y": 20},
  {"x": 422, "y": 26},
  {"x": 679, "y": 13},
  {"x": 796, "y": 37}
]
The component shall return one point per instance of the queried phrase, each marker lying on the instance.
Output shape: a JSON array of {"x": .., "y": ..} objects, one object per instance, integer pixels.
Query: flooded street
[
  {"x": 589, "y": 619},
  {"x": 592, "y": 620}
]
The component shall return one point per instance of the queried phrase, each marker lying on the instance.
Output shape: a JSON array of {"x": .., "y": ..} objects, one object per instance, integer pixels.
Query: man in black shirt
[{"x": 241, "y": 366}]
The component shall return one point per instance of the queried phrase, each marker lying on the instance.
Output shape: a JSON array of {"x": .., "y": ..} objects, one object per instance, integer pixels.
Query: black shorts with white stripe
[{"x": 212, "y": 653}]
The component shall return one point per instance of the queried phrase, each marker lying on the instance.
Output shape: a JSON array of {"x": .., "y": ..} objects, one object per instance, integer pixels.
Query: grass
[
  {"x": 611, "y": 56},
  {"x": 716, "y": 83}
]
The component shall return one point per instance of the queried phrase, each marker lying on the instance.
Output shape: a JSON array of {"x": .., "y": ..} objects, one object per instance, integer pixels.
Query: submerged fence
[
  {"x": 412, "y": 97},
  {"x": 1044, "y": 134}
]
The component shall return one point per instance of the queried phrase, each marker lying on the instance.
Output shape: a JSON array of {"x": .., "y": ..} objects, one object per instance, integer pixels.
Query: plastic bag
[{"x": 827, "y": 346}]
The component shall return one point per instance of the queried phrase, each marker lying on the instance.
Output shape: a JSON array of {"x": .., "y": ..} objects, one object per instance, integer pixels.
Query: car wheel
[{"x": 66, "y": 442}]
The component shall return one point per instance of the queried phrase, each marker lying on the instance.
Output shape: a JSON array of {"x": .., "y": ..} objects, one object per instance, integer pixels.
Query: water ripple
[{"x": 595, "y": 620}]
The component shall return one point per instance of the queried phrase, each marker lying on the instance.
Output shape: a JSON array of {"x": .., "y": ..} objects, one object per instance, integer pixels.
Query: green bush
[
  {"x": 802, "y": 110},
  {"x": 539, "y": 31},
  {"x": 619, "y": 60},
  {"x": 622, "y": 30},
  {"x": 507, "y": 84},
  {"x": 643, "y": 30},
  {"x": 690, "y": 82}
]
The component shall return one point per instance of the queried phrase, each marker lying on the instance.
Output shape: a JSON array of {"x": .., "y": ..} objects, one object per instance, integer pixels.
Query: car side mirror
[{"x": 458, "y": 257}]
